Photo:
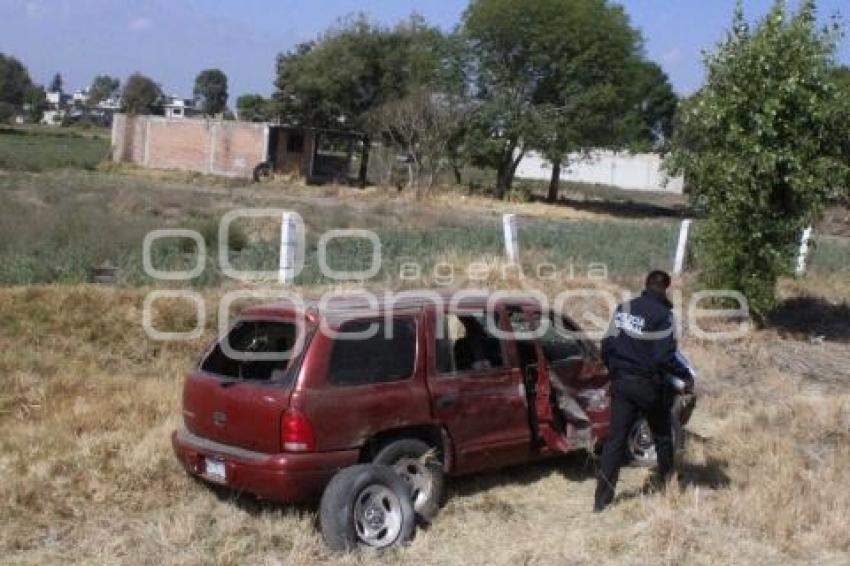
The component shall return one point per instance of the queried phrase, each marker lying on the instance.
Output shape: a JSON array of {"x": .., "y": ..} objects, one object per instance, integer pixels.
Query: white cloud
[
  {"x": 672, "y": 56},
  {"x": 140, "y": 24}
]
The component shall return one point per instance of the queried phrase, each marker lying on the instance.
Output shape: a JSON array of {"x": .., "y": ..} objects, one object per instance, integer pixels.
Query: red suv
[{"x": 395, "y": 394}]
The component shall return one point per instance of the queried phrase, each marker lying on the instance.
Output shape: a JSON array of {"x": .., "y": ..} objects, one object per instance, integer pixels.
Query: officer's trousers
[{"x": 632, "y": 397}]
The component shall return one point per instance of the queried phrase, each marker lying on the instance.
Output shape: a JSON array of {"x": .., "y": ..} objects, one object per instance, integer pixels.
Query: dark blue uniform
[{"x": 639, "y": 350}]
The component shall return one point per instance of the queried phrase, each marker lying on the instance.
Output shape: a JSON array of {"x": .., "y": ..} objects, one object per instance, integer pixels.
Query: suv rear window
[
  {"x": 266, "y": 341},
  {"x": 378, "y": 359}
]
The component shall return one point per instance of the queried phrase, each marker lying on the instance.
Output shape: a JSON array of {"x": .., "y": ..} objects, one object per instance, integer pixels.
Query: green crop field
[{"x": 42, "y": 149}]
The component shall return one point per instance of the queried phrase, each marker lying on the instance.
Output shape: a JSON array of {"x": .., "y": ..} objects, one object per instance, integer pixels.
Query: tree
[
  {"x": 17, "y": 90},
  {"x": 422, "y": 125},
  {"x": 350, "y": 71},
  {"x": 762, "y": 147},
  {"x": 102, "y": 87},
  {"x": 841, "y": 76},
  {"x": 211, "y": 91},
  {"x": 56, "y": 83},
  {"x": 657, "y": 104},
  {"x": 35, "y": 103},
  {"x": 500, "y": 34},
  {"x": 559, "y": 76},
  {"x": 15, "y": 81},
  {"x": 254, "y": 108},
  {"x": 140, "y": 94}
]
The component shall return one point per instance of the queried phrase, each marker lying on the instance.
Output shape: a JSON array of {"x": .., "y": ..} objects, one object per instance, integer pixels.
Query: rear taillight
[{"x": 296, "y": 432}]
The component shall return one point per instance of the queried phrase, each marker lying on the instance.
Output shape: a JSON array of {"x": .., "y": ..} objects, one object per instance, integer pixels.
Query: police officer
[{"x": 640, "y": 350}]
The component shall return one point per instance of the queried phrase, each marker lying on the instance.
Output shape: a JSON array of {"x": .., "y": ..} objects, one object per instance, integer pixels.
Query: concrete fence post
[
  {"x": 805, "y": 242},
  {"x": 289, "y": 244},
  {"x": 682, "y": 247},
  {"x": 509, "y": 226}
]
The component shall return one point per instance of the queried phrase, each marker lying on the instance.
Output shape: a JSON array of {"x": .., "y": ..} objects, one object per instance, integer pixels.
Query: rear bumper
[{"x": 287, "y": 478}]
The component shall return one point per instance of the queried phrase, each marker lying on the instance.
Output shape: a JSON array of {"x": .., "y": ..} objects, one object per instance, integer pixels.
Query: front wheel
[
  {"x": 641, "y": 446},
  {"x": 366, "y": 506}
]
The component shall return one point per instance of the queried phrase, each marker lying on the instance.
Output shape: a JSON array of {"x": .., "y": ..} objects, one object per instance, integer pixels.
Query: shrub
[{"x": 762, "y": 144}]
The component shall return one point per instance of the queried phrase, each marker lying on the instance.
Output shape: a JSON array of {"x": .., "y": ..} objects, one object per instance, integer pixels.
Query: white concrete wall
[{"x": 632, "y": 171}]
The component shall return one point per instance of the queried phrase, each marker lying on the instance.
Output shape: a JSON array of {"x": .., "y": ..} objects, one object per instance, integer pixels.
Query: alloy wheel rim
[
  {"x": 641, "y": 443},
  {"x": 377, "y": 516}
]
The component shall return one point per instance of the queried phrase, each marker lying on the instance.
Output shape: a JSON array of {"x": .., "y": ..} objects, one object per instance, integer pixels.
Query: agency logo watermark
[{"x": 275, "y": 286}]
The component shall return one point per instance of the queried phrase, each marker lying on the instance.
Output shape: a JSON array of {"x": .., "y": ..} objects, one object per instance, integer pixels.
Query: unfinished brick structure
[
  {"x": 232, "y": 149},
  {"x": 215, "y": 147}
]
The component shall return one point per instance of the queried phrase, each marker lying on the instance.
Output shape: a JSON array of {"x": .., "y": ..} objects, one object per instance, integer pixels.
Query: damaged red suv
[{"x": 373, "y": 405}]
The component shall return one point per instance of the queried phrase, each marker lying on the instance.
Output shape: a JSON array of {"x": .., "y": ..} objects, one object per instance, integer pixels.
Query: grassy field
[
  {"x": 42, "y": 149},
  {"x": 54, "y": 226},
  {"x": 87, "y": 400}
]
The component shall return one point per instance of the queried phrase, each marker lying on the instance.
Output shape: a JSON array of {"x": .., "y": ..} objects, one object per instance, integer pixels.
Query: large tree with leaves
[
  {"x": 356, "y": 67},
  {"x": 56, "y": 83},
  {"x": 102, "y": 87},
  {"x": 559, "y": 76},
  {"x": 254, "y": 108},
  {"x": 15, "y": 81},
  {"x": 140, "y": 95},
  {"x": 18, "y": 92},
  {"x": 211, "y": 91},
  {"x": 762, "y": 146}
]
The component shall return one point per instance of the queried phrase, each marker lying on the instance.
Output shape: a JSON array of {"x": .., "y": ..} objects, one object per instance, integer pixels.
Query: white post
[
  {"x": 509, "y": 225},
  {"x": 681, "y": 247},
  {"x": 288, "y": 247},
  {"x": 804, "y": 251}
]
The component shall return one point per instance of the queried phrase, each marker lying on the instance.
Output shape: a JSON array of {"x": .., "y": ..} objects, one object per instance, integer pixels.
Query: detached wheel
[
  {"x": 418, "y": 464},
  {"x": 263, "y": 172},
  {"x": 641, "y": 446},
  {"x": 366, "y": 506}
]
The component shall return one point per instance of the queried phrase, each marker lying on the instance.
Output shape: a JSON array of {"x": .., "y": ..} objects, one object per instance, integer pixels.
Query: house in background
[
  {"x": 57, "y": 107},
  {"x": 58, "y": 99},
  {"x": 81, "y": 97},
  {"x": 174, "y": 106}
]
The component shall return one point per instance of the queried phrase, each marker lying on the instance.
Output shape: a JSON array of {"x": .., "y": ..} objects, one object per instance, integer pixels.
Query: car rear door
[
  {"x": 237, "y": 394},
  {"x": 366, "y": 380},
  {"x": 476, "y": 392}
]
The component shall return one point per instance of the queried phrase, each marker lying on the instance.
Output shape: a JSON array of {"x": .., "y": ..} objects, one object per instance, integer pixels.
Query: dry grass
[{"x": 88, "y": 402}]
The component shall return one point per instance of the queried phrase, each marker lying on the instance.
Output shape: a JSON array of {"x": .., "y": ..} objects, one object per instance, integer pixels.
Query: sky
[{"x": 172, "y": 40}]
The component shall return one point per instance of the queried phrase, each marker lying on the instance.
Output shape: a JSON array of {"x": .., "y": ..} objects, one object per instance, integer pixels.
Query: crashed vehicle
[{"x": 375, "y": 405}]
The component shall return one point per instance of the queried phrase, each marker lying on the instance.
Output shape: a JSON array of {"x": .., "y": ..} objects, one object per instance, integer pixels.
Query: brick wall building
[{"x": 231, "y": 149}]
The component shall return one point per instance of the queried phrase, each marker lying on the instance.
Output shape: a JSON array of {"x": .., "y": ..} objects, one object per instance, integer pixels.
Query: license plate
[{"x": 215, "y": 470}]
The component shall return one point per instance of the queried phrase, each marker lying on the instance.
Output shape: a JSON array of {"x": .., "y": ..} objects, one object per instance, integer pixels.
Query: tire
[
  {"x": 418, "y": 464},
  {"x": 366, "y": 506},
  {"x": 262, "y": 172},
  {"x": 640, "y": 447}
]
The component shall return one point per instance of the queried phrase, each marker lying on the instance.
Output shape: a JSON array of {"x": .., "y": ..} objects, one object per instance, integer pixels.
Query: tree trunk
[
  {"x": 506, "y": 170},
  {"x": 364, "y": 161},
  {"x": 512, "y": 165},
  {"x": 458, "y": 175},
  {"x": 554, "y": 182},
  {"x": 502, "y": 180}
]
